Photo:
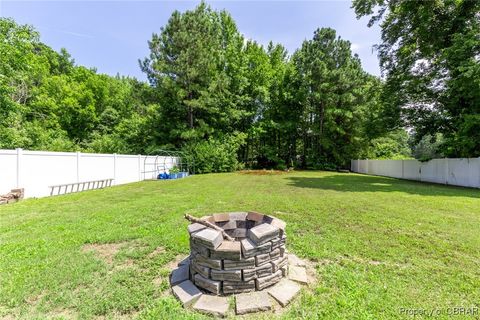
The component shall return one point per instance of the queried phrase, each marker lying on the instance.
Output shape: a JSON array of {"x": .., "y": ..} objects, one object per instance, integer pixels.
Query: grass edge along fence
[{"x": 463, "y": 172}]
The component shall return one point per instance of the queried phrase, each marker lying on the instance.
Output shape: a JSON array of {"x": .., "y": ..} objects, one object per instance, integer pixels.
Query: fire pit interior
[{"x": 237, "y": 252}]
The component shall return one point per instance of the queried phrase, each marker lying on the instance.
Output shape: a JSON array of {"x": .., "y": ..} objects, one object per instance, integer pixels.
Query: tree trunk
[
  {"x": 190, "y": 112},
  {"x": 320, "y": 131}
]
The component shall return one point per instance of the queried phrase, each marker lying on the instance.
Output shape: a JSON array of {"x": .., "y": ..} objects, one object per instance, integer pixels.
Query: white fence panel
[
  {"x": 8, "y": 170},
  {"x": 36, "y": 171},
  {"x": 96, "y": 167},
  {"x": 460, "y": 172},
  {"x": 434, "y": 171},
  {"x": 391, "y": 168},
  {"x": 150, "y": 169},
  {"x": 411, "y": 169},
  {"x": 354, "y": 165},
  {"x": 363, "y": 166},
  {"x": 464, "y": 172},
  {"x": 127, "y": 169}
]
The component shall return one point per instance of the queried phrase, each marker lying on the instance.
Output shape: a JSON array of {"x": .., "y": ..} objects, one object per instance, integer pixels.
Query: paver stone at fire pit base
[
  {"x": 284, "y": 291},
  {"x": 252, "y": 302},
  {"x": 180, "y": 274},
  {"x": 186, "y": 292},
  {"x": 186, "y": 260},
  {"x": 298, "y": 274},
  {"x": 296, "y": 261},
  {"x": 213, "y": 305}
]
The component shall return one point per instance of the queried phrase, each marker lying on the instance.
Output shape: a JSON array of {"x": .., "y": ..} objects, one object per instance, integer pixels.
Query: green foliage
[
  {"x": 314, "y": 110},
  {"x": 394, "y": 145},
  {"x": 191, "y": 64},
  {"x": 430, "y": 55},
  {"x": 48, "y": 103},
  {"x": 333, "y": 92},
  {"x": 225, "y": 99},
  {"x": 215, "y": 154},
  {"x": 429, "y": 147},
  {"x": 174, "y": 169}
]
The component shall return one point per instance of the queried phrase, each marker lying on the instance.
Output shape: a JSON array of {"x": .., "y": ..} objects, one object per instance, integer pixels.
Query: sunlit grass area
[{"x": 379, "y": 245}]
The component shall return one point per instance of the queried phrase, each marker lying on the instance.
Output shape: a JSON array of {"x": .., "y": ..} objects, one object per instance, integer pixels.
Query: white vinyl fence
[
  {"x": 459, "y": 172},
  {"x": 36, "y": 171}
]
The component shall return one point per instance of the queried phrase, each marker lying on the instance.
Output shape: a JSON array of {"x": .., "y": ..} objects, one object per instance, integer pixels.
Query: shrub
[
  {"x": 215, "y": 154},
  {"x": 174, "y": 169}
]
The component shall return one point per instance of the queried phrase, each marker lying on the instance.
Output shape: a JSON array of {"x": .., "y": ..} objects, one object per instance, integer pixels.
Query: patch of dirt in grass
[
  {"x": 134, "y": 245},
  {"x": 311, "y": 272},
  {"x": 32, "y": 313},
  {"x": 174, "y": 263},
  {"x": 157, "y": 282},
  {"x": 157, "y": 251},
  {"x": 105, "y": 251},
  {"x": 262, "y": 172},
  {"x": 108, "y": 251},
  {"x": 119, "y": 316},
  {"x": 129, "y": 263},
  {"x": 34, "y": 300},
  {"x": 5, "y": 316},
  {"x": 62, "y": 314}
]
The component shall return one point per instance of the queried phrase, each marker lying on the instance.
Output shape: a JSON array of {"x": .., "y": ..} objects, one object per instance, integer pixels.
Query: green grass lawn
[{"x": 378, "y": 244}]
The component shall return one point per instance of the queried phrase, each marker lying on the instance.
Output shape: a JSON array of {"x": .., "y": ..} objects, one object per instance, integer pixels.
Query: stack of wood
[{"x": 13, "y": 196}]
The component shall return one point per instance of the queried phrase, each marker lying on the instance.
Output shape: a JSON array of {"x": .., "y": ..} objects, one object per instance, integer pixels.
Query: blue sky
[{"x": 112, "y": 35}]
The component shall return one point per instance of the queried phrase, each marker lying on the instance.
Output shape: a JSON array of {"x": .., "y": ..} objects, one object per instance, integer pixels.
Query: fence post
[
  {"x": 19, "y": 167},
  {"x": 114, "y": 169},
  {"x": 366, "y": 170},
  {"x": 446, "y": 170},
  {"x": 403, "y": 169},
  {"x": 478, "y": 181},
  {"x": 78, "y": 166},
  {"x": 139, "y": 157}
]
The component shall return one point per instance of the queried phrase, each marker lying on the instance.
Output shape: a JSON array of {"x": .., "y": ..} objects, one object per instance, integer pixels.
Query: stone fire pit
[
  {"x": 254, "y": 260},
  {"x": 240, "y": 253}
]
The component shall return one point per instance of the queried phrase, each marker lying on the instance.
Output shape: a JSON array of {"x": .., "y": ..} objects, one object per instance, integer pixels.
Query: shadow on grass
[{"x": 364, "y": 183}]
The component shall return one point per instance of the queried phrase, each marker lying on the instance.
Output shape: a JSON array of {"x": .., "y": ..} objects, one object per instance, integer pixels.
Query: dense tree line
[
  {"x": 430, "y": 55},
  {"x": 317, "y": 108},
  {"x": 228, "y": 101}
]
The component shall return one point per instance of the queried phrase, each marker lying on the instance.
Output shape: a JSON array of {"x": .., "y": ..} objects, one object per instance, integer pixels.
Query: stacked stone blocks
[{"x": 254, "y": 261}]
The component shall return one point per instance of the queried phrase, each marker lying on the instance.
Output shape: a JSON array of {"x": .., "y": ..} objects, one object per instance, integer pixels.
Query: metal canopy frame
[{"x": 164, "y": 157}]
